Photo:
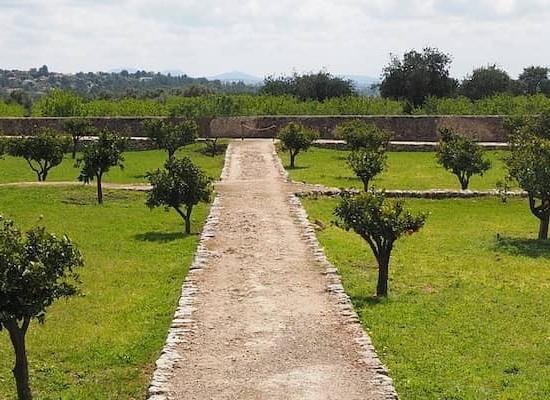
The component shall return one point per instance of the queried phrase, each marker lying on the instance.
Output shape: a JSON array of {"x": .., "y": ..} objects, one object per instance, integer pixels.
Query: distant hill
[{"x": 237, "y": 76}]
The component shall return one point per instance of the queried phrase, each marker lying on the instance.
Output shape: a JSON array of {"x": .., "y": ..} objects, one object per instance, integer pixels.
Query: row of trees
[{"x": 419, "y": 75}]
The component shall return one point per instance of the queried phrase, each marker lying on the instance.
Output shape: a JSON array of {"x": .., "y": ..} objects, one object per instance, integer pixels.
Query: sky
[{"x": 270, "y": 37}]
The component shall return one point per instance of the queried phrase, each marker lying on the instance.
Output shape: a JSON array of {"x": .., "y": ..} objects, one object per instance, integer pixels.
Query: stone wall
[{"x": 404, "y": 128}]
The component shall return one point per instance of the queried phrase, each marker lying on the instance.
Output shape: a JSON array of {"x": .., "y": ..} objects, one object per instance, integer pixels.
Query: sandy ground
[{"x": 265, "y": 326}]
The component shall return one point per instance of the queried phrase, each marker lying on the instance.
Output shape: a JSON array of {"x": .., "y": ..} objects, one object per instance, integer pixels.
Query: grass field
[
  {"x": 405, "y": 170},
  {"x": 103, "y": 344},
  {"x": 136, "y": 164},
  {"x": 467, "y": 314}
]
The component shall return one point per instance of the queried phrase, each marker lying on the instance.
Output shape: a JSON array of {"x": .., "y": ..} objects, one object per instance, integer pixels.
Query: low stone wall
[{"x": 404, "y": 128}]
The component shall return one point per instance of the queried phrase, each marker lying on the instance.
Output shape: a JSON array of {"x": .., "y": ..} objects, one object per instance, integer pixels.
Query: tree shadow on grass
[
  {"x": 360, "y": 302},
  {"x": 295, "y": 168},
  {"x": 524, "y": 247},
  {"x": 162, "y": 237}
]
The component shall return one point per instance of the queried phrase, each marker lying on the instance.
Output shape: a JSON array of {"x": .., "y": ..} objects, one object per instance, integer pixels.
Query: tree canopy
[
  {"x": 171, "y": 136},
  {"x": 179, "y": 185},
  {"x": 486, "y": 81},
  {"x": 42, "y": 152},
  {"x": 534, "y": 80},
  {"x": 319, "y": 86},
  {"x": 380, "y": 222},
  {"x": 417, "y": 76},
  {"x": 528, "y": 163},
  {"x": 36, "y": 268},
  {"x": 295, "y": 138},
  {"x": 98, "y": 157},
  {"x": 460, "y": 155}
]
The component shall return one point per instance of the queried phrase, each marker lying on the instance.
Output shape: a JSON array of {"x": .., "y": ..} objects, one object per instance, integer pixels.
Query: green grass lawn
[
  {"x": 405, "y": 170},
  {"x": 136, "y": 164},
  {"x": 103, "y": 344},
  {"x": 467, "y": 314}
]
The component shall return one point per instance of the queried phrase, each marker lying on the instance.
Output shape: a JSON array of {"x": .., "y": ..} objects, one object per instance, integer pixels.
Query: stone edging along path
[{"x": 186, "y": 326}]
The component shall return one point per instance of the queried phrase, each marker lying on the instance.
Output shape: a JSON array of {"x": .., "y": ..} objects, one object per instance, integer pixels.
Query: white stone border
[
  {"x": 334, "y": 286},
  {"x": 183, "y": 325}
]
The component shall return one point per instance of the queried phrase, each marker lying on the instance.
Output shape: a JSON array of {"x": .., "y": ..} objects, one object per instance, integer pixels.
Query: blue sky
[{"x": 264, "y": 37}]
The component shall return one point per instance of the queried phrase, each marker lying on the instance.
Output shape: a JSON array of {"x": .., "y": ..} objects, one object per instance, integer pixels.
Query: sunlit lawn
[
  {"x": 405, "y": 170},
  {"x": 467, "y": 313}
]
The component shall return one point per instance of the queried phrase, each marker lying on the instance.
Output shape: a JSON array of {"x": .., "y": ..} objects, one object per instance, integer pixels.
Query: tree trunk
[
  {"x": 365, "y": 184},
  {"x": 21, "y": 368},
  {"x": 188, "y": 219},
  {"x": 383, "y": 272},
  {"x": 99, "y": 190},
  {"x": 292, "y": 157},
  {"x": 543, "y": 228}
]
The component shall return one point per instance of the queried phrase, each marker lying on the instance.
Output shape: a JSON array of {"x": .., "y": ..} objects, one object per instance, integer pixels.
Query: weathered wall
[{"x": 404, "y": 128}]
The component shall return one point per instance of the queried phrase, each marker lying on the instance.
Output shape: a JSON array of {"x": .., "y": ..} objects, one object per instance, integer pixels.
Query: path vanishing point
[{"x": 262, "y": 313}]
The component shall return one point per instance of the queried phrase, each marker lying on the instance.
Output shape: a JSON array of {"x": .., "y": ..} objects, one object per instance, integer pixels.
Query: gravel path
[{"x": 259, "y": 321}]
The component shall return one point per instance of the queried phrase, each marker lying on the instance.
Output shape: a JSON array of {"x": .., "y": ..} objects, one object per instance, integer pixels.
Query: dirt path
[{"x": 262, "y": 323}]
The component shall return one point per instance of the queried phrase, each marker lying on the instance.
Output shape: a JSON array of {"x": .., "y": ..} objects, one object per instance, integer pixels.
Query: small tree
[
  {"x": 77, "y": 128},
  {"x": 367, "y": 164},
  {"x": 529, "y": 163},
  {"x": 359, "y": 134},
  {"x": 42, "y": 152},
  {"x": 171, "y": 136},
  {"x": 99, "y": 156},
  {"x": 180, "y": 185},
  {"x": 295, "y": 137},
  {"x": 462, "y": 156},
  {"x": 35, "y": 270},
  {"x": 380, "y": 223}
]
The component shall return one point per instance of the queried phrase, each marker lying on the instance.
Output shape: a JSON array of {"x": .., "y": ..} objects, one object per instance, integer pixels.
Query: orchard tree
[
  {"x": 98, "y": 157},
  {"x": 180, "y": 185},
  {"x": 295, "y": 138},
  {"x": 460, "y": 155},
  {"x": 171, "y": 136},
  {"x": 418, "y": 76},
  {"x": 42, "y": 152},
  {"x": 366, "y": 164},
  {"x": 359, "y": 134},
  {"x": 484, "y": 82},
  {"x": 78, "y": 128},
  {"x": 36, "y": 268},
  {"x": 380, "y": 223},
  {"x": 528, "y": 163}
]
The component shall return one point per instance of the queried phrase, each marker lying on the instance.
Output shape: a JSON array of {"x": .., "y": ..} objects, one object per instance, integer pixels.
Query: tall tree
[
  {"x": 460, "y": 155},
  {"x": 380, "y": 223},
  {"x": 98, "y": 157},
  {"x": 528, "y": 163},
  {"x": 485, "y": 82},
  {"x": 42, "y": 152},
  {"x": 418, "y": 76},
  {"x": 36, "y": 268},
  {"x": 534, "y": 80},
  {"x": 181, "y": 185}
]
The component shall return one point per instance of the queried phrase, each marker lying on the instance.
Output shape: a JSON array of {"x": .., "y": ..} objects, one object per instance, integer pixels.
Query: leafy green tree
[
  {"x": 59, "y": 103},
  {"x": 78, "y": 128},
  {"x": 534, "y": 80},
  {"x": 528, "y": 163},
  {"x": 180, "y": 185},
  {"x": 366, "y": 164},
  {"x": 359, "y": 134},
  {"x": 485, "y": 82},
  {"x": 320, "y": 86},
  {"x": 418, "y": 76},
  {"x": 171, "y": 136},
  {"x": 295, "y": 138},
  {"x": 99, "y": 156},
  {"x": 460, "y": 155},
  {"x": 380, "y": 223},
  {"x": 42, "y": 152},
  {"x": 36, "y": 268}
]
